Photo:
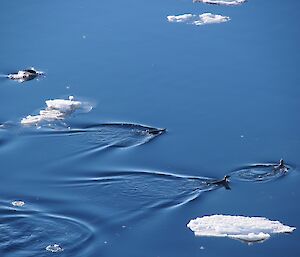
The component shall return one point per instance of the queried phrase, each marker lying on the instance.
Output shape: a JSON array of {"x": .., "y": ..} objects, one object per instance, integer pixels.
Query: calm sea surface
[{"x": 228, "y": 95}]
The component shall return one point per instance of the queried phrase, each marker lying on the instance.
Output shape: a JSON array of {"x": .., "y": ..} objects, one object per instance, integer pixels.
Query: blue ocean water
[{"x": 227, "y": 94}]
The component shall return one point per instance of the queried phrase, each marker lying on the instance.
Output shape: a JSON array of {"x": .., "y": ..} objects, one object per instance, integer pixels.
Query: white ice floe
[
  {"x": 18, "y": 203},
  {"x": 221, "y": 2},
  {"x": 54, "y": 248},
  {"x": 57, "y": 109},
  {"x": 247, "y": 229},
  {"x": 202, "y": 19}
]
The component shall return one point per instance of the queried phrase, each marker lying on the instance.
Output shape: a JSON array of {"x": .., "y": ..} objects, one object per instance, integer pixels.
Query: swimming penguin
[
  {"x": 223, "y": 182},
  {"x": 25, "y": 75},
  {"x": 156, "y": 131},
  {"x": 281, "y": 167}
]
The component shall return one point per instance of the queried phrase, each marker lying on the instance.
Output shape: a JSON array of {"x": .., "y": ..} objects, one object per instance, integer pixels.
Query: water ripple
[
  {"x": 260, "y": 172},
  {"x": 5, "y": 136},
  {"x": 106, "y": 135},
  {"x": 135, "y": 192},
  {"x": 28, "y": 232}
]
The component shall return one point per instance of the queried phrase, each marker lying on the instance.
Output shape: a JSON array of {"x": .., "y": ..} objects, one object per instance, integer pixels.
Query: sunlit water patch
[
  {"x": 221, "y": 2},
  {"x": 261, "y": 172},
  {"x": 27, "y": 232},
  {"x": 198, "y": 20},
  {"x": 135, "y": 193}
]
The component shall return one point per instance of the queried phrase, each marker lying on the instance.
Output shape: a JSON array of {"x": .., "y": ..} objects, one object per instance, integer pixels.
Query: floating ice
[
  {"x": 57, "y": 109},
  {"x": 18, "y": 203},
  {"x": 221, "y": 2},
  {"x": 247, "y": 229},
  {"x": 180, "y": 18},
  {"x": 54, "y": 248},
  {"x": 202, "y": 19}
]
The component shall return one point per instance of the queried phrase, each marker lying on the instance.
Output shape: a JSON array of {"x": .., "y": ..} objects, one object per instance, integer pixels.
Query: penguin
[
  {"x": 25, "y": 75},
  {"x": 156, "y": 131},
  {"x": 222, "y": 182},
  {"x": 281, "y": 167}
]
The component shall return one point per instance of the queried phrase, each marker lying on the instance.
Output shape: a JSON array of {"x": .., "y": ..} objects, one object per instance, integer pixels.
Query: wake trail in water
[
  {"x": 137, "y": 192},
  {"x": 88, "y": 140},
  {"x": 260, "y": 172}
]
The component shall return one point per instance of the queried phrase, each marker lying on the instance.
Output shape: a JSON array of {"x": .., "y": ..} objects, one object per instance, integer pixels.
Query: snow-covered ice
[
  {"x": 202, "y": 19},
  {"x": 247, "y": 229},
  {"x": 221, "y": 2},
  {"x": 57, "y": 109}
]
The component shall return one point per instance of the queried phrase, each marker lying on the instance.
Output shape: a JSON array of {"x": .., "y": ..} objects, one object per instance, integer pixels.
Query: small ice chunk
[
  {"x": 247, "y": 229},
  {"x": 202, "y": 19},
  {"x": 54, "y": 248},
  {"x": 180, "y": 18},
  {"x": 221, "y": 2},
  {"x": 63, "y": 105},
  {"x": 57, "y": 109},
  {"x": 18, "y": 203}
]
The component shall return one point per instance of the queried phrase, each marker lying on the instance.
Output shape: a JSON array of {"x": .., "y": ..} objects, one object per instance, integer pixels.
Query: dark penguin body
[
  {"x": 222, "y": 182},
  {"x": 281, "y": 167}
]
